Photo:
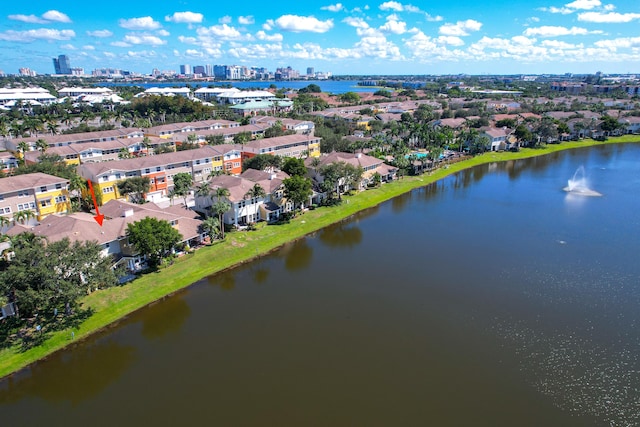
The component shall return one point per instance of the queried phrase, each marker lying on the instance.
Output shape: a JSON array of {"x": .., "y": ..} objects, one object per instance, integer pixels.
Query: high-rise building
[
  {"x": 185, "y": 69},
  {"x": 62, "y": 65},
  {"x": 208, "y": 70},
  {"x": 311, "y": 71},
  {"x": 198, "y": 69}
]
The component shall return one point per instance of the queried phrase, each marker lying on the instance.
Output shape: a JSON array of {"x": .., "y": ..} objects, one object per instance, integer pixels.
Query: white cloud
[
  {"x": 393, "y": 25},
  {"x": 144, "y": 39},
  {"x": 298, "y": 24},
  {"x": 432, "y": 18},
  {"x": 143, "y": 54},
  {"x": 451, "y": 40},
  {"x": 55, "y": 16},
  {"x": 246, "y": 20},
  {"x": 68, "y": 46},
  {"x": 562, "y": 10},
  {"x": 88, "y": 47},
  {"x": 583, "y": 4},
  {"x": 109, "y": 54},
  {"x": 29, "y": 19},
  {"x": 100, "y": 33},
  {"x": 225, "y": 19},
  {"x": 392, "y": 5},
  {"x": 163, "y": 33},
  {"x": 623, "y": 42},
  {"x": 193, "y": 53},
  {"x": 223, "y": 31},
  {"x": 557, "y": 44},
  {"x": 185, "y": 18},
  {"x": 355, "y": 22},
  {"x": 608, "y": 18},
  {"x": 144, "y": 23},
  {"x": 188, "y": 40},
  {"x": 39, "y": 34},
  {"x": 555, "y": 31},
  {"x": 460, "y": 28},
  {"x": 333, "y": 7},
  {"x": 261, "y": 35}
]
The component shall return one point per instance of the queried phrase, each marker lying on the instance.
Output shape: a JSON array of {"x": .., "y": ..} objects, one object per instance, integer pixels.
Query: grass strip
[{"x": 113, "y": 304}]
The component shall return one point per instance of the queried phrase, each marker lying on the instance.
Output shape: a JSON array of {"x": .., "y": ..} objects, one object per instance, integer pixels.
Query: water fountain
[{"x": 579, "y": 185}]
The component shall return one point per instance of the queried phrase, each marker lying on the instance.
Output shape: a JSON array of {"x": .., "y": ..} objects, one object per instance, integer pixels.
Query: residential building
[
  {"x": 296, "y": 145},
  {"x": 369, "y": 164},
  {"x": 8, "y": 162},
  {"x": 160, "y": 169},
  {"x": 33, "y": 95},
  {"x": 244, "y": 209},
  {"x": 112, "y": 235},
  {"x": 40, "y": 193}
]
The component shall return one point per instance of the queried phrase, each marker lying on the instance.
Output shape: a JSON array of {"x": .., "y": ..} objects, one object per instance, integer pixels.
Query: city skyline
[{"x": 388, "y": 37}]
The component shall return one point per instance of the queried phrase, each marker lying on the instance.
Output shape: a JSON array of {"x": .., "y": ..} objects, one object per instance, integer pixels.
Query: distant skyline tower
[
  {"x": 62, "y": 65},
  {"x": 310, "y": 71},
  {"x": 185, "y": 69}
]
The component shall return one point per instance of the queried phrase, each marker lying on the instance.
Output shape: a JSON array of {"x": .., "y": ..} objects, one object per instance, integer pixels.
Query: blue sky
[{"x": 389, "y": 37}]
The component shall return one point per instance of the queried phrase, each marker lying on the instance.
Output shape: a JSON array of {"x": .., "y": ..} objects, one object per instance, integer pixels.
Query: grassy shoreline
[{"x": 114, "y": 304}]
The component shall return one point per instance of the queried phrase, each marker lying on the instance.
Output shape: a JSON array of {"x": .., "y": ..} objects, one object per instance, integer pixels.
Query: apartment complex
[{"x": 40, "y": 193}]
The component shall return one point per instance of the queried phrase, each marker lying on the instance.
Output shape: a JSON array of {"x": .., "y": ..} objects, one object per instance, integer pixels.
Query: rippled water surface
[{"x": 491, "y": 298}]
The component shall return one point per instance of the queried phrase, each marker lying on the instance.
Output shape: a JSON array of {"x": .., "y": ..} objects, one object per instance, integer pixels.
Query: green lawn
[{"x": 113, "y": 304}]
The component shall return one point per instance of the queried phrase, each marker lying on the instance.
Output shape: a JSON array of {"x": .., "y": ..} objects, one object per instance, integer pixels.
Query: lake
[{"x": 490, "y": 298}]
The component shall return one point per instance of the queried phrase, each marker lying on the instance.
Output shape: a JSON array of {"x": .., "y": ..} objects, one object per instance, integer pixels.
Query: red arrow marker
[{"x": 99, "y": 218}]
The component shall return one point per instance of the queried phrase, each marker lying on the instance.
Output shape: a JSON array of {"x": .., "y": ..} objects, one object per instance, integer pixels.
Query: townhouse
[
  {"x": 297, "y": 126},
  {"x": 8, "y": 162},
  {"x": 499, "y": 138},
  {"x": 77, "y": 138},
  {"x": 296, "y": 145},
  {"x": 160, "y": 169},
  {"x": 39, "y": 193},
  {"x": 244, "y": 208},
  {"x": 100, "y": 151},
  {"x": 170, "y": 130},
  {"x": 112, "y": 235},
  {"x": 369, "y": 164}
]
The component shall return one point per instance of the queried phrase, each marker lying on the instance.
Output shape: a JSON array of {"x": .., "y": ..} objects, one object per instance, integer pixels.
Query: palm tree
[
  {"x": 4, "y": 221},
  {"x": 23, "y": 216},
  {"x": 211, "y": 226},
  {"x": 256, "y": 192},
  {"x": 221, "y": 205},
  {"x": 23, "y": 147},
  {"x": 42, "y": 145},
  {"x": 52, "y": 127}
]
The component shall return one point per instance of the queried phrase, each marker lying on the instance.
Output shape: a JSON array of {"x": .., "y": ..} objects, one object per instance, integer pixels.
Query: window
[
  {"x": 1, "y": 197},
  {"x": 61, "y": 199},
  {"x": 26, "y": 206},
  {"x": 147, "y": 171},
  {"x": 23, "y": 193},
  {"x": 6, "y": 210},
  {"x": 236, "y": 164},
  {"x": 45, "y": 203},
  {"x": 157, "y": 168},
  {"x": 118, "y": 176},
  {"x": 107, "y": 190},
  {"x": 58, "y": 186}
]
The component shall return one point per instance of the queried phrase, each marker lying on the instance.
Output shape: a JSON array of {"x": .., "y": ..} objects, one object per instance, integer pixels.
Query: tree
[
  {"x": 262, "y": 162},
  {"x": 153, "y": 237},
  {"x": 24, "y": 216},
  {"x": 182, "y": 185},
  {"x": 41, "y": 145},
  {"x": 255, "y": 192},
  {"x": 294, "y": 166},
  {"x": 44, "y": 276},
  {"x": 277, "y": 129},
  {"x": 217, "y": 139},
  {"x": 298, "y": 189},
  {"x": 221, "y": 205},
  {"x": 135, "y": 187},
  {"x": 211, "y": 226},
  {"x": 350, "y": 98}
]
